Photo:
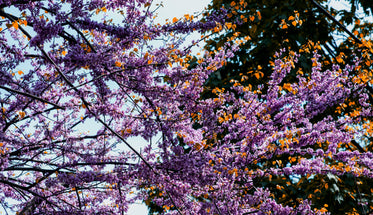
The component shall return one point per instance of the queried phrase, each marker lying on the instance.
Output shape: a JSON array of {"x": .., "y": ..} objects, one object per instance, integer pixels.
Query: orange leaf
[
  {"x": 228, "y": 25},
  {"x": 15, "y": 25},
  {"x": 174, "y": 20},
  {"x": 24, "y": 22},
  {"x": 259, "y": 15},
  {"x": 22, "y": 114},
  {"x": 118, "y": 64}
]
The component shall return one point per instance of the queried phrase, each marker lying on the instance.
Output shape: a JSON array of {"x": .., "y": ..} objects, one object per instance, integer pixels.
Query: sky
[{"x": 177, "y": 8}]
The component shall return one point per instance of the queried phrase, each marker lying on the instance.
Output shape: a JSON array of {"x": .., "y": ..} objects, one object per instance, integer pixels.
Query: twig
[
  {"x": 32, "y": 96},
  {"x": 336, "y": 21}
]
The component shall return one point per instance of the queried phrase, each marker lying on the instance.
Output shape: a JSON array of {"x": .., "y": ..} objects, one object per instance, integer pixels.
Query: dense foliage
[
  {"x": 80, "y": 79},
  {"x": 272, "y": 25},
  {"x": 302, "y": 26}
]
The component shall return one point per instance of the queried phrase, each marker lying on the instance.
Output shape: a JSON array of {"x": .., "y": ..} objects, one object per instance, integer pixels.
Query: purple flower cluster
[{"x": 78, "y": 94}]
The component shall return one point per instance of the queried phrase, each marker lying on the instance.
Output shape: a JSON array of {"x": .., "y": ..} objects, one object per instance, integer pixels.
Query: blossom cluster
[{"x": 74, "y": 92}]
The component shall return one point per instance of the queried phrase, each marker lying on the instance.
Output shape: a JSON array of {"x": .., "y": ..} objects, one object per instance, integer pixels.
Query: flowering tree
[{"x": 77, "y": 84}]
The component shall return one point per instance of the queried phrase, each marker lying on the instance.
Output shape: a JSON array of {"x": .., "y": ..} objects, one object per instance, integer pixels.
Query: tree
[
  {"x": 77, "y": 85},
  {"x": 301, "y": 26},
  {"x": 272, "y": 25}
]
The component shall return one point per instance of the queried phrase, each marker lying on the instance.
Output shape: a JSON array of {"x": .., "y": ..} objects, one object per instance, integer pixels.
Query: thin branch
[
  {"x": 77, "y": 194},
  {"x": 217, "y": 208},
  {"x": 32, "y": 96},
  {"x": 336, "y": 22},
  {"x": 173, "y": 202}
]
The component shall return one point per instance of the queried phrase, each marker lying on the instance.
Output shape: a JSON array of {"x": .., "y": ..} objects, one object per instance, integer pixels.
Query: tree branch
[
  {"x": 336, "y": 22},
  {"x": 32, "y": 96}
]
